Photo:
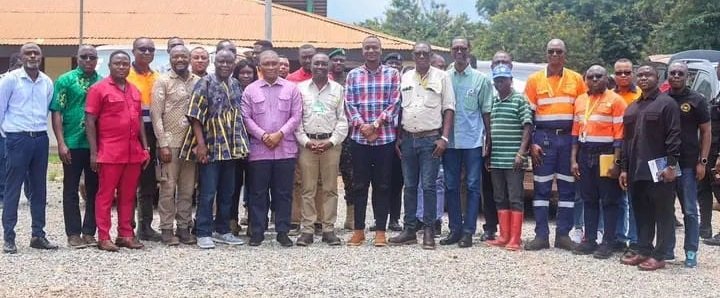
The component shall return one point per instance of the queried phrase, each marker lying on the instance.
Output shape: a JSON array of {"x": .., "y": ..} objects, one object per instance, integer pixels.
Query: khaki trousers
[
  {"x": 297, "y": 201},
  {"x": 177, "y": 184},
  {"x": 323, "y": 168}
]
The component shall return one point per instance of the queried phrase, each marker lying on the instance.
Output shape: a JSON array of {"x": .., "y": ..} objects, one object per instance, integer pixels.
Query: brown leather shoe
[
  {"x": 380, "y": 240},
  {"x": 651, "y": 264},
  {"x": 128, "y": 242},
  {"x": 185, "y": 236},
  {"x": 428, "y": 238},
  {"x": 74, "y": 241},
  {"x": 357, "y": 238},
  {"x": 633, "y": 260},
  {"x": 107, "y": 245},
  {"x": 89, "y": 240},
  {"x": 168, "y": 238}
]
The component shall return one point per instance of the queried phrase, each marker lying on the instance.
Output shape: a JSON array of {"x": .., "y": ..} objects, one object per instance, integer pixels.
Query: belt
[
  {"x": 319, "y": 136},
  {"x": 422, "y": 134},
  {"x": 31, "y": 134},
  {"x": 557, "y": 131}
]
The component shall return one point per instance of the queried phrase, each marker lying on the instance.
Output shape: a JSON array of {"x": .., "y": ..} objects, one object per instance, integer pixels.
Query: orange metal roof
[{"x": 119, "y": 22}]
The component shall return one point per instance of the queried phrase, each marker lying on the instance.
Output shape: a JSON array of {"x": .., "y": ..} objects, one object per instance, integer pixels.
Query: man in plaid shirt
[{"x": 371, "y": 95}]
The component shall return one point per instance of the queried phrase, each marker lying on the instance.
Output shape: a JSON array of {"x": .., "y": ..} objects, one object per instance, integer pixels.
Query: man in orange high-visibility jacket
[
  {"x": 598, "y": 130},
  {"x": 551, "y": 93}
]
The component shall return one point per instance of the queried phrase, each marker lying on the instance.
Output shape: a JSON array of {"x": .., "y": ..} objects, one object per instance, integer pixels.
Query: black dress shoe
[
  {"x": 487, "y": 235},
  {"x": 255, "y": 241},
  {"x": 394, "y": 226},
  {"x": 406, "y": 237},
  {"x": 9, "y": 247},
  {"x": 604, "y": 251},
  {"x": 451, "y": 239},
  {"x": 586, "y": 248},
  {"x": 428, "y": 238},
  {"x": 465, "y": 241},
  {"x": 42, "y": 243},
  {"x": 284, "y": 240},
  {"x": 714, "y": 241},
  {"x": 705, "y": 233}
]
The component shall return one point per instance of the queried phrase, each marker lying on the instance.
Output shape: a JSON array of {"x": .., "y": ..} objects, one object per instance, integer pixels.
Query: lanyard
[
  {"x": 551, "y": 92},
  {"x": 589, "y": 110},
  {"x": 423, "y": 79}
]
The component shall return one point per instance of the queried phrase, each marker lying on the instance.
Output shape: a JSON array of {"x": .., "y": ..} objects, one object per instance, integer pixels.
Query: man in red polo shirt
[{"x": 118, "y": 150}]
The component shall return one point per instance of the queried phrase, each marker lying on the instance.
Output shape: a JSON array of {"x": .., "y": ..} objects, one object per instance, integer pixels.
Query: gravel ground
[{"x": 319, "y": 270}]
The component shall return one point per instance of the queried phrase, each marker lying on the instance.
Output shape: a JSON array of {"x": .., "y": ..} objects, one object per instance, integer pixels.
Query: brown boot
[
  {"x": 357, "y": 238},
  {"x": 516, "y": 221},
  {"x": 380, "y": 240},
  {"x": 168, "y": 238},
  {"x": 350, "y": 217},
  {"x": 128, "y": 242},
  {"x": 504, "y": 237},
  {"x": 107, "y": 245},
  {"x": 90, "y": 240},
  {"x": 185, "y": 237}
]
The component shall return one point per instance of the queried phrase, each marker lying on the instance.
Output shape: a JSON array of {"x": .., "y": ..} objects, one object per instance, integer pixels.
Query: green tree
[
  {"x": 524, "y": 32},
  {"x": 412, "y": 21},
  {"x": 689, "y": 24}
]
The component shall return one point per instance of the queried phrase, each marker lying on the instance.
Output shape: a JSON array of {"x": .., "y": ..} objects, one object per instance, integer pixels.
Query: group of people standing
[{"x": 190, "y": 137}]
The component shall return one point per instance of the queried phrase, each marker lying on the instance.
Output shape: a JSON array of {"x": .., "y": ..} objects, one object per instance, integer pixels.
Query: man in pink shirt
[{"x": 272, "y": 110}]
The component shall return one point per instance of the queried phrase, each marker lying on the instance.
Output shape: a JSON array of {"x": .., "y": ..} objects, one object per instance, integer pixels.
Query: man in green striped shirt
[{"x": 510, "y": 122}]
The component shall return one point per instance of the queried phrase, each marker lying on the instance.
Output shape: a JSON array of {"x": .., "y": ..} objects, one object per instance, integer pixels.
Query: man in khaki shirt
[
  {"x": 428, "y": 109},
  {"x": 171, "y": 98},
  {"x": 320, "y": 134}
]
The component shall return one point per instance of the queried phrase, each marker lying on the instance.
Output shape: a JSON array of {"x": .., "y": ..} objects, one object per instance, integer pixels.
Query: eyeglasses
[
  {"x": 676, "y": 73},
  {"x": 594, "y": 77},
  {"x": 459, "y": 49},
  {"x": 146, "y": 50},
  {"x": 626, "y": 73},
  {"x": 421, "y": 53},
  {"x": 555, "y": 52},
  {"x": 88, "y": 57}
]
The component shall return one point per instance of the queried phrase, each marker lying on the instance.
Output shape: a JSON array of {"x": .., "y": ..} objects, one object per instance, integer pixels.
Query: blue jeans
[
  {"x": 217, "y": 183},
  {"x": 687, "y": 193},
  {"x": 419, "y": 164},
  {"x": 440, "y": 182},
  {"x": 626, "y": 229},
  {"x": 26, "y": 155},
  {"x": 453, "y": 160}
]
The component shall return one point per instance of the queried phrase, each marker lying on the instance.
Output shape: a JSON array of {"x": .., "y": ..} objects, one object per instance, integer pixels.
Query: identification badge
[
  {"x": 583, "y": 137},
  {"x": 318, "y": 107}
]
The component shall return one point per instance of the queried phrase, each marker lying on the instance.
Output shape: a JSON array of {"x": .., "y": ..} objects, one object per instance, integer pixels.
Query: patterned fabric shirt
[
  {"x": 171, "y": 99},
  {"x": 508, "y": 117},
  {"x": 217, "y": 106},
  {"x": 473, "y": 98},
  {"x": 69, "y": 100},
  {"x": 371, "y": 95}
]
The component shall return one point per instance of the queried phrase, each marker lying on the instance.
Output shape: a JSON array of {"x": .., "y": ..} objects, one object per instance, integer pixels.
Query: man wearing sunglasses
[
  {"x": 597, "y": 131},
  {"x": 694, "y": 121},
  {"x": 551, "y": 93},
  {"x": 626, "y": 231},
  {"x": 68, "y": 121},
  {"x": 142, "y": 77}
]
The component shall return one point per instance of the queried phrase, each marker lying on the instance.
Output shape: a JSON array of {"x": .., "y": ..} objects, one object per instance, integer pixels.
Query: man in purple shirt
[{"x": 272, "y": 109}]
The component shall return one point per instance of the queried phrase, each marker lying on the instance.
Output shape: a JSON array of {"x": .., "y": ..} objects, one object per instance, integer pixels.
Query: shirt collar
[
  {"x": 379, "y": 69},
  {"x": 279, "y": 81},
  {"x": 150, "y": 72},
  {"x": 24, "y": 74},
  {"x": 327, "y": 85},
  {"x": 173, "y": 75},
  {"x": 650, "y": 95},
  {"x": 512, "y": 93},
  {"x": 633, "y": 88},
  {"x": 82, "y": 73},
  {"x": 549, "y": 74}
]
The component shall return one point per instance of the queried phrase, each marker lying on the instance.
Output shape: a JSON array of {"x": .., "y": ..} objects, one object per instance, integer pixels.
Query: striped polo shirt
[{"x": 507, "y": 119}]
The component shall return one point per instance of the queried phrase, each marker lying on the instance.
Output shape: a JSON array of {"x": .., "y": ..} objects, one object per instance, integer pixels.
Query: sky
[{"x": 353, "y": 11}]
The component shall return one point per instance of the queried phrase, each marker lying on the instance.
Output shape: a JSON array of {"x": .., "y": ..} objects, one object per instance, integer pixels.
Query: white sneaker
[
  {"x": 227, "y": 238},
  {"x": 576, "y": 235},
  {"x": 205, "y": 242}
]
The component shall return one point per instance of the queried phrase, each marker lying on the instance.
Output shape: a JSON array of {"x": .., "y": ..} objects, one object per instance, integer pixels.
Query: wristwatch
[
  {"x": 376, "y": 125},
  {"x": 703, "y": 161},
  {"x": 618, "y": 162}
]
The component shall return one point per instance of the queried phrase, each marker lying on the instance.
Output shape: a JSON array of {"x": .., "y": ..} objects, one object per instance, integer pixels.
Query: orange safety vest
[
  {"x": 599, "y": 118},
  {"x": 552, "y": 98}
]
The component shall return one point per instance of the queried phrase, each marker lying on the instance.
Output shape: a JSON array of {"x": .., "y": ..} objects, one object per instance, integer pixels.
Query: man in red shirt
[
  {"x": 305, "y": 54},
  {"x": 118, "y": 150}
]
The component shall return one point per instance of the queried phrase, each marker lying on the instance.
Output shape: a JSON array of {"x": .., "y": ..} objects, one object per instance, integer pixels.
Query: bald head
[
  {"x": 596, "y": 79},
  {"x": 677, "y": 76},
  {"x": 556, "y": 54},
  {"x": 31, "y": 56},
  {"x": 87, "y": 58},
  {"x": 438, "y": 62}
]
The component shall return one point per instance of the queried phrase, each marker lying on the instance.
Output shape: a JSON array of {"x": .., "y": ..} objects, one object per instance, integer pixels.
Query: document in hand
[
  {"x": 657, "y": 166},
  {"x": 607, "y": 162}
]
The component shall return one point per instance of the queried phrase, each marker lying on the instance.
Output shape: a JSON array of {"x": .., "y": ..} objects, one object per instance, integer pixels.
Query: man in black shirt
[
  {"x": 694, "y": 116},
  {"x": 652, "y": 131},
  {"x": 710, "y": 185}
]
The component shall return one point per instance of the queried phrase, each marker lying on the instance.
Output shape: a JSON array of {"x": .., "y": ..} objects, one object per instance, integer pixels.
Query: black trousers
[
  {"x": 148, "y": 192},
  {"x": 654, "y": 206},
  {"x": 396, "y": 189},
  {"x": 707, "y": 187},
  {"x": 75, "y": 224},
  {"x": 240, "y": 174},
  {"x": 371, "y": 164},
  {"x": 489, "y": 207},
  {"x": 270, "y": 179}
]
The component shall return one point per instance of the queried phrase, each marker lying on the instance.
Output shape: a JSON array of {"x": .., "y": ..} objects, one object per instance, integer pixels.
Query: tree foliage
[{"x": 595, "y": 31}]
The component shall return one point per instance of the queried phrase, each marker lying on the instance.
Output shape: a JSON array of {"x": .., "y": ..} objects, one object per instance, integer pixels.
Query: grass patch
[{"x": 54, "y": 158}]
